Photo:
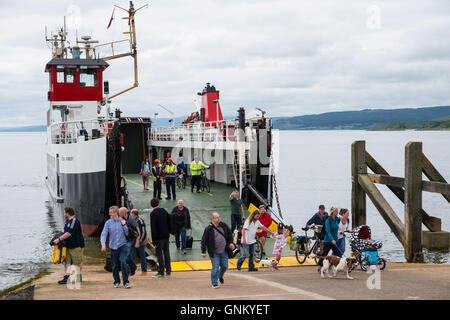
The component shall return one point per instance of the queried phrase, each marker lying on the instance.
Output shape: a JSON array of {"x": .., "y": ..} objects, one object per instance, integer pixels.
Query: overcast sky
[{"x": 289, "y": 57}]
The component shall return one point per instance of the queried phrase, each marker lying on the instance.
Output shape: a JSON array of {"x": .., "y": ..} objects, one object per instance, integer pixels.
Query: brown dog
[{"x": 336, "y": 264}]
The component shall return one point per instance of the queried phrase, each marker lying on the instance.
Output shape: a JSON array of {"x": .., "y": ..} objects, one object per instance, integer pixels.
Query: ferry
[{"x": 94, "y": 153}]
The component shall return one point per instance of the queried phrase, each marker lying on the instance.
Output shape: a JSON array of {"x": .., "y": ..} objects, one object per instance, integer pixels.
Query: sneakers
[
  {"x": 184, "y": 251},
  {"x": 221, "y": 280},
  {"x": 215, "y": 286},
  {"x": 250, "y": 270},
  {"x": 127, "y": 285},
  {"x": 64, "y": 280},
  {"x": 116, "y": 285},
  {"x": 167, "y": 274},
  {"x": 158, "y": 276}
]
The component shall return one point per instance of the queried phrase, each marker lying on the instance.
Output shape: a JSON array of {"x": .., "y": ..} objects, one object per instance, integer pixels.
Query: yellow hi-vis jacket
[
  {"x": 170, "y": 170},
  {"x": 196, "y": 168},
  {"x": 154, "y": 172}
]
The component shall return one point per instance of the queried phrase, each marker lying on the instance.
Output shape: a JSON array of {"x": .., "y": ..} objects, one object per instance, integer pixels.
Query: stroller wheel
[
  {"x": 381, "y": 263},
  {"x": 365, "y": 264}
]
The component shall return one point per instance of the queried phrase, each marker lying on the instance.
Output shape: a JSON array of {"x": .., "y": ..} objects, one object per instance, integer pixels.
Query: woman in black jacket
[{"x": 218, "y": 241}]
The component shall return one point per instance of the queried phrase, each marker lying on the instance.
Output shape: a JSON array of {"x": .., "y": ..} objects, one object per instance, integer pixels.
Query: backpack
[
  {"x": 172, "y": 225},
  {"x": 132, "y": 232}
]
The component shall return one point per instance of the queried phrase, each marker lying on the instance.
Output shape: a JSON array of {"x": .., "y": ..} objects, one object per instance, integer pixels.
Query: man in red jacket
[{"x": 266, "y": 221}]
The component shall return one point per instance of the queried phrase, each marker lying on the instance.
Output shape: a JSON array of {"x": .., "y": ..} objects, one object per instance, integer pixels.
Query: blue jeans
[
  {"x": 182, "y": 233},
  {"x": 141, "y": 253},
  {"x": 120, "y": 255},
  {"x": 341, "y": 245},
  {"x": 248, "y": 252},
  {"x": 131, "y": 256},
  {"x": 219, "y": 266}
]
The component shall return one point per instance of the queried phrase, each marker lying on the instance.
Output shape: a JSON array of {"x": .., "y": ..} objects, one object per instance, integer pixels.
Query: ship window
[
  {"x": 65, "y": 76},
  {"x": 88, "y": 77}
]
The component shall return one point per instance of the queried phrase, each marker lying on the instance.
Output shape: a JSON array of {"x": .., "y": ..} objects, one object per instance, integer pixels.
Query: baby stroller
[{"x": 366, "y": 249}]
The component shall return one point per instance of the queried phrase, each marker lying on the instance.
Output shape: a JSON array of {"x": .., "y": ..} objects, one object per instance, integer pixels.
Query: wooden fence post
[
  {"x": 413, "y": 202},
  {"x": 358, "y": 195}
]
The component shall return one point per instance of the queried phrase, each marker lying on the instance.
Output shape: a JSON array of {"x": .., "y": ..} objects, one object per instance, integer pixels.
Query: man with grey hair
[
  {"x": 218, "y": 241},
  {"x": 117, "y": 229}
]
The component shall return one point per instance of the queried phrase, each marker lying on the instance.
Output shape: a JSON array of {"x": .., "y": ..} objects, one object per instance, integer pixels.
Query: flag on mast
[{"x": 112, "y": 18}]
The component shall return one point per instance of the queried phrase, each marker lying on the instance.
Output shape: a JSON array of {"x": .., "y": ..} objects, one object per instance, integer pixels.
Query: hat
[{"x": 322, "y": 207}]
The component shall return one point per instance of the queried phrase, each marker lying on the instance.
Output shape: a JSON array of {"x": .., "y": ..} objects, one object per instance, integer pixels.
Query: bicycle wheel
[
  {"x": 179, "y": 183},
  {"x": 257, "y": 253},
  {"x": 301, "y": 254},
  {"x": 208, "y": 186},
  {"x": 316, "y": 251}
]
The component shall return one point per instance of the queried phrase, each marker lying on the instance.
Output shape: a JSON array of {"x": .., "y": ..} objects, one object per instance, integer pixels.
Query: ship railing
[
  {"x": 225, "y": 130},
  {"x": 77, "y": 131}
]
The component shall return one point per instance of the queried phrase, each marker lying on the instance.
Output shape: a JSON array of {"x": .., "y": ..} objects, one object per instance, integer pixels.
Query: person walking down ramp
[
  {"x": 117, "y": 229},
  {"x": 248, "y": 239},
  {"x": 160, "y": 226},
  {"x": 218, "y": 241},
  {"x": 140, "y": 251},
  {"x": 280, "y": 243},
  {"x": 182, "y": 223}
]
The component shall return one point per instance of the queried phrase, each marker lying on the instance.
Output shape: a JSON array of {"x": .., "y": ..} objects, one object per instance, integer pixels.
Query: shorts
[{"x": 74, "y": 256}]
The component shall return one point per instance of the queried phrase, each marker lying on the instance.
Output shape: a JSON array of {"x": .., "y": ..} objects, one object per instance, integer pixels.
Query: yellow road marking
[{"x": 196, "y": 265}]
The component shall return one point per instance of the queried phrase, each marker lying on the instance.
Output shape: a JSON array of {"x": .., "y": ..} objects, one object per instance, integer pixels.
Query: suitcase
[{"x": 189, "y": 240}]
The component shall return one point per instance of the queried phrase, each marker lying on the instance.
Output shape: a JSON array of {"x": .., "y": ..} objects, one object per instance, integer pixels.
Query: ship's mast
[
  {"x": 133, "y": 51},
  {"x": 58, "y": 41}
]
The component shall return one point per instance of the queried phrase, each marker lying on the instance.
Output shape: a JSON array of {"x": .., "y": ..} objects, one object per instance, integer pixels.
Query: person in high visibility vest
[
  {"x": 196, "y": 172},
  {"x": 156, "y": 177},
  {"x": 170, "y": 174}
]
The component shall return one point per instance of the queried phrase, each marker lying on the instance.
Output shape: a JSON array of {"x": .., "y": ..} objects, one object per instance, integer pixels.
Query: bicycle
[
  {"x": 303, "y": 246},
  {"x": 204, "y": 182},
  {"x": 181, "y": 181}
]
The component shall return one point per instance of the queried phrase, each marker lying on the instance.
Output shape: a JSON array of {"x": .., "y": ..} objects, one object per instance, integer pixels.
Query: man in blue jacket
[
  {"x": 318, "y": 218},
  {"x": 117, "y": 229}
]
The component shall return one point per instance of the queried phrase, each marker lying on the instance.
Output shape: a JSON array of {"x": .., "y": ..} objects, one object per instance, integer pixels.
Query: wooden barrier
[{"x": 408, "y": 190}]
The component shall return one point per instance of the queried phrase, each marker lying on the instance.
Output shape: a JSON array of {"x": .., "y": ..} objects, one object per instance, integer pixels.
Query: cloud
[{"x": 289, "y": 57}]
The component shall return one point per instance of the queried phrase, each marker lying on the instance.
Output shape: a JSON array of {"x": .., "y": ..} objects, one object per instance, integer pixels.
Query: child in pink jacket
[{"x": 280, "y": 243}]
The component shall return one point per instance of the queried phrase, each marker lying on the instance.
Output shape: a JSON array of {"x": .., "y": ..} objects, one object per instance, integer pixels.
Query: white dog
[
  {"x": 336, "y": 264},
  {"x": 268, "y": 263}
]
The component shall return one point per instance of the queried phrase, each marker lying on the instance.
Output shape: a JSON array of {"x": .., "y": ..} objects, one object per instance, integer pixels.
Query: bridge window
[
  {"x": 88, "y": 77},
  {"x": 65, "y": 75}
]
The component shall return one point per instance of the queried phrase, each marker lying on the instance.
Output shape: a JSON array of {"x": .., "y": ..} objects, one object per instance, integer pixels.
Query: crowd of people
[
  {"x": 170, "y": 171},
  {"x": 128, "y": 238},
  {"x": 332, "y": 235}
]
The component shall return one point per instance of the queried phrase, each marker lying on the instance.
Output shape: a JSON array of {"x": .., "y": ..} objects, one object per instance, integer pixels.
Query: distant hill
[
  {"x": 368, "y": 119},
  {"x": 429, "y": 118},
  {"x": 24, "y": 129}
]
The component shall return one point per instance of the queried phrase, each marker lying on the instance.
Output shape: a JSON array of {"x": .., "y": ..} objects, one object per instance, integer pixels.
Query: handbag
[{"x": 231, "y": 253}]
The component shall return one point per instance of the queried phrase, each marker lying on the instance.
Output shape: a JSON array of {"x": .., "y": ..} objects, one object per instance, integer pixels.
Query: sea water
[{"x": 314, "y": 169}]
